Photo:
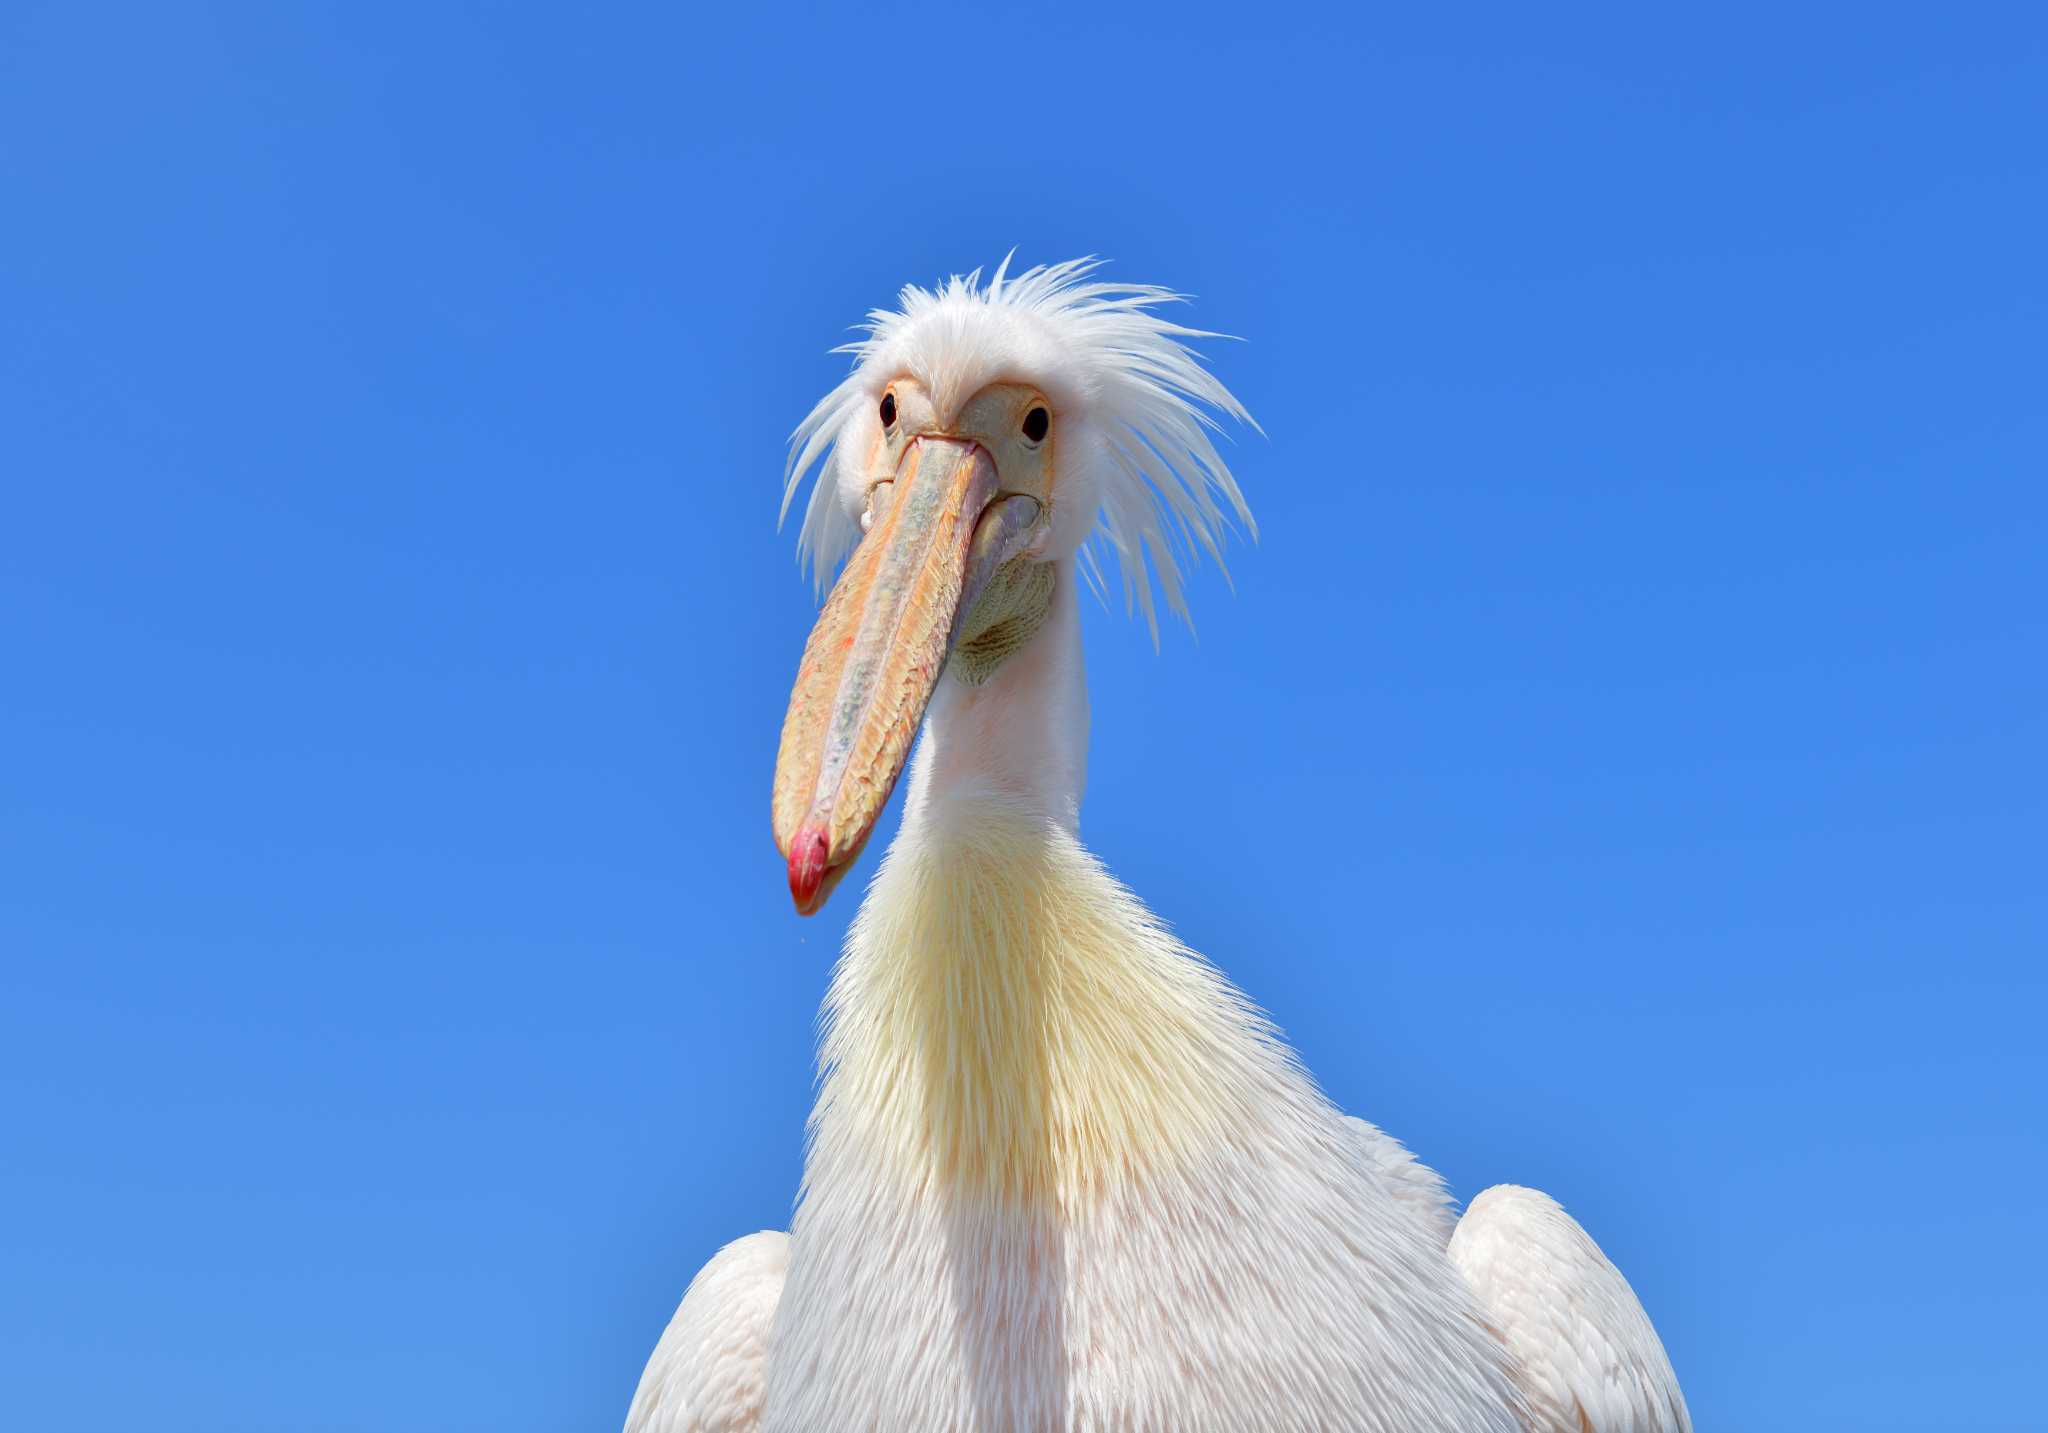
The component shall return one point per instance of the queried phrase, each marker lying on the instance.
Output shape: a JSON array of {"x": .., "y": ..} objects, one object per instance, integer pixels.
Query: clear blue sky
[{"x": 401, "y": 999}]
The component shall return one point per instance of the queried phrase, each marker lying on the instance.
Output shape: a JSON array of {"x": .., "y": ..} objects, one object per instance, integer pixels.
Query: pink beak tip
[{"x": 807, "y": 867}]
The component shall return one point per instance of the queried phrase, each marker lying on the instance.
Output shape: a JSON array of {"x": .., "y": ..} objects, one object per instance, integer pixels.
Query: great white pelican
[{"x": 1061, "y": 1174}]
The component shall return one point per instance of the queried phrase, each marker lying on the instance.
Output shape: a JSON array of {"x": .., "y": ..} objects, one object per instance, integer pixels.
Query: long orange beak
[{"x": 873, "y": 659}]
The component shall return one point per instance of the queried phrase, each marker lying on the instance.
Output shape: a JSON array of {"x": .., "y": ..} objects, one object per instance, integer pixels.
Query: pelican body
[{"x": 1061, "y": 1174}]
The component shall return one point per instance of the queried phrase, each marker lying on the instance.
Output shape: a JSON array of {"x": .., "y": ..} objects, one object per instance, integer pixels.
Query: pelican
[{"x": 1061, "y": 1174}]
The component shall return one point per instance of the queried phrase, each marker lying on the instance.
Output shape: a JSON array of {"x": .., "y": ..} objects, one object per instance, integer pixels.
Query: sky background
[{"x": 401, "y": 998}]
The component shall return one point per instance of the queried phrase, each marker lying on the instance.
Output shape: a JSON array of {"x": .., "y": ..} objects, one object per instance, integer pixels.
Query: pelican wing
[
  {"x": 1589, "y": 1360},
  {"x": 706, "y": 1375}
]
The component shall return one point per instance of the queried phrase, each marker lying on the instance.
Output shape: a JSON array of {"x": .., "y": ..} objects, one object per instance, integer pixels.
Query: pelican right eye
[{"x": 888, "y": 410}]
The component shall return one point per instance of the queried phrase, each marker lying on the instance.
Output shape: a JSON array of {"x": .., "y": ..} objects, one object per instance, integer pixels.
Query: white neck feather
[
  {"x": 1063, "y": 1175},
  {"x": 1022, "y": 736},
  {"x": 1008, "y": 1015}
]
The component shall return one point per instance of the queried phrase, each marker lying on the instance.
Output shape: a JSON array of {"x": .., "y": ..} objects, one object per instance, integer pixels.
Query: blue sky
[{"x": 401, "y": 997}]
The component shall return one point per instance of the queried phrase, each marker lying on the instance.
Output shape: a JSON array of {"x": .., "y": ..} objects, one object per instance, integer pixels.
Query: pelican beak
[{"x": 939, "y": 530}]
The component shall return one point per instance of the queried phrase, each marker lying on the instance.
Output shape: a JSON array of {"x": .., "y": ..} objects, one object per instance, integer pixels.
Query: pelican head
[{"x": 986, "y": 433}]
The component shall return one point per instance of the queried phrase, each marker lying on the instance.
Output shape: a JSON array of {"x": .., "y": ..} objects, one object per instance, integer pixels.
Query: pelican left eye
[{"x": 1036, "y": 422}]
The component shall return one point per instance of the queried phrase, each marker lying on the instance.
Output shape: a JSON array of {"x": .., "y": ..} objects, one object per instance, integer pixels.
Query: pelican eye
[
  {"x": 888, "y": 410},
  {"x": 1036, "y": 422}
]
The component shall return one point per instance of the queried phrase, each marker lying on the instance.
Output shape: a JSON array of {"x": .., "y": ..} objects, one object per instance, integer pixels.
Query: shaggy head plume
[{"x": 1139, "y": 470}]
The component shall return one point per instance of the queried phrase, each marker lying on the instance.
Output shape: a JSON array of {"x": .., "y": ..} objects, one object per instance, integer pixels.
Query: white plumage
[
  {"x": 1586, "y": 1355},
  {"x": 1061, "y": 1174},
  {"x": 710, "y": 1369}
]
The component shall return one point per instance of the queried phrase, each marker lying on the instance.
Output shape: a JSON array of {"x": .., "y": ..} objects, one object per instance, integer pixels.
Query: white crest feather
[{"x": 1143, "y": 399}]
